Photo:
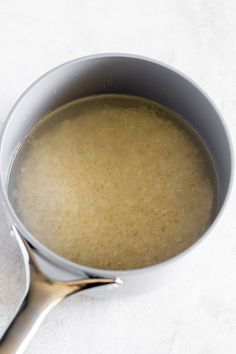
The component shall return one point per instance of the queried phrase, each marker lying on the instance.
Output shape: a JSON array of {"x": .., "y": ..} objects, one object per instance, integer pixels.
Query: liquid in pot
[{"x": 114, "y": 182}]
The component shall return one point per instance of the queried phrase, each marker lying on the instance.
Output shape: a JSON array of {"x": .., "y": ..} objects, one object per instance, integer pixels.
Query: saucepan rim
[{"x": 64, "y": 263}]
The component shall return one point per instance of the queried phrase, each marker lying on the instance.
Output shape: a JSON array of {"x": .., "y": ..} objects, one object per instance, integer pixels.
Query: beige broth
[{"x": 114, "y": 182}]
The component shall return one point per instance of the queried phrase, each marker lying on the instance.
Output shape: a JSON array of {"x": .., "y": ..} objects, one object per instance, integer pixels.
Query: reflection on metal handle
[{"x": 42, "y": 294}]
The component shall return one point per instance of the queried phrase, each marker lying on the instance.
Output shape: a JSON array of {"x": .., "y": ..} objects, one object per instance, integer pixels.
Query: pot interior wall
[{"x": 119, "y": 74}]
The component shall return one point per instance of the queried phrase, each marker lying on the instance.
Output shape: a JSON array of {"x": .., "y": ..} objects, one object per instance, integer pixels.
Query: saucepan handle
[{"x": 41, "y": 295}]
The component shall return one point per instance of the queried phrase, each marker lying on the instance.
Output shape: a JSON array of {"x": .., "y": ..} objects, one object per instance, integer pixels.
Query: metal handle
[{"x": 41, "y": 295}]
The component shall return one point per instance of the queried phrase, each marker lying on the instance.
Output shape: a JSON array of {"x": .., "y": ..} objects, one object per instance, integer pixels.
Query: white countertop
[{"x": 197, "y": 314}]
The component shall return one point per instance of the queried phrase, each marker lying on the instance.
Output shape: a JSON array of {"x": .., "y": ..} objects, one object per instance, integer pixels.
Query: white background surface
[{"x": 197, "y": 314}]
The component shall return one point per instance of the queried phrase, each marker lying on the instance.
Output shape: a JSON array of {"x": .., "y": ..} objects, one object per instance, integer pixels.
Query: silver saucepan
[{"x": 49, "y": 277}]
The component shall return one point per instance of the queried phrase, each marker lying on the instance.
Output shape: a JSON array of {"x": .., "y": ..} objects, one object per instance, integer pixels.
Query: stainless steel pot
[{"x": 97, "y": 74}]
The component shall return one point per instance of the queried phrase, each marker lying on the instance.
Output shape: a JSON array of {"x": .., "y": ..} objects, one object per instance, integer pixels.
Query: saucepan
[{"x": 51, "y": 278}]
